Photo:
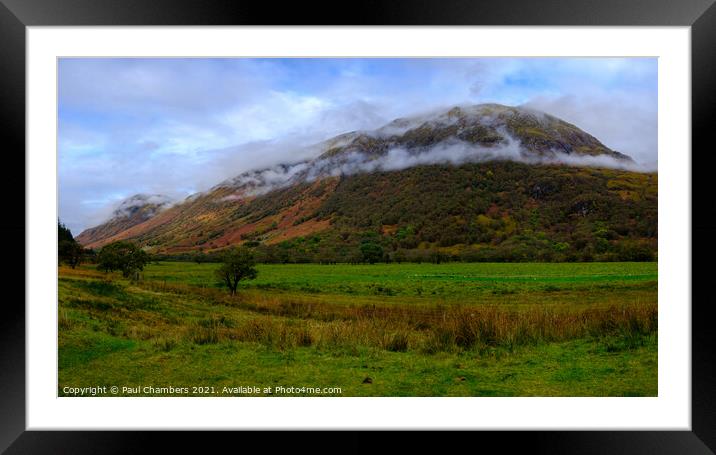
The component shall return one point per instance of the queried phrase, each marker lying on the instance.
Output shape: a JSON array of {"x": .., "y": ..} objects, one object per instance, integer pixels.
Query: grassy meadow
[{"x": 452, "y": 329}]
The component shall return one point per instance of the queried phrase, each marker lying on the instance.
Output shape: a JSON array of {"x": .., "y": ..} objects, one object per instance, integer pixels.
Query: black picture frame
[{"x": 699, "y": 15}]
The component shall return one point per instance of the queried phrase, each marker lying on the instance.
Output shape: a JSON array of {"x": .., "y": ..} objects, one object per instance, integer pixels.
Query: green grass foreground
[{"x": 553, "y": 329}]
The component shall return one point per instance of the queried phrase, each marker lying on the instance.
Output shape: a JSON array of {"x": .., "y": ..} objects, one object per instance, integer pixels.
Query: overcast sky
[{"x": 178, "y": 126}]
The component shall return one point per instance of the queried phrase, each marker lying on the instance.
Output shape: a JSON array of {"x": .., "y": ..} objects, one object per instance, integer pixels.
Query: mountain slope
[
  {"x": 130, "y": 212},
  {"x": 485, "y": 180}
]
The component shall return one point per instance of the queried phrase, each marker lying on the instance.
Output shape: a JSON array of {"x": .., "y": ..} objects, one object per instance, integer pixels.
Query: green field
[
  {"x": 451, "y": 280},
  {"x": 528, "y": 329}
]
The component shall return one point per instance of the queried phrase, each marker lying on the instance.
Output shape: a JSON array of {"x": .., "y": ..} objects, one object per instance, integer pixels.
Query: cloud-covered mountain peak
[
  {"x": 145, "y": 204},
  {"x": 460, "y": 134}
]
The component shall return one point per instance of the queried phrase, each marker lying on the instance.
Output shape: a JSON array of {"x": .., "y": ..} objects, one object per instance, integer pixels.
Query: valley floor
[{"x": 587, "y": 329}]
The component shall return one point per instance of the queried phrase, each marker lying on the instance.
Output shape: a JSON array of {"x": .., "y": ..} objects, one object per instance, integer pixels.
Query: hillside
[
  {"x": 131, "y": 212},
  {"x": 484, "y": 182}
]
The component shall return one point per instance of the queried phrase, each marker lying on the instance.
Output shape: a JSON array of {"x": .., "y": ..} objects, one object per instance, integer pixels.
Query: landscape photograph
[{"x": 344, "y": 227}]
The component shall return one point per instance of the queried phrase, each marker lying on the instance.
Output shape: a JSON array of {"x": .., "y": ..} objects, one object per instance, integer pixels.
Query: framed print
[{"x": 480, "y": 218}]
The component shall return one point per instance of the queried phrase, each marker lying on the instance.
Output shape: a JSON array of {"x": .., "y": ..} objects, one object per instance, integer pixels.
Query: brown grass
[
  {"x": 289, "y": 323},
  {"x": 285, "y": 321}
]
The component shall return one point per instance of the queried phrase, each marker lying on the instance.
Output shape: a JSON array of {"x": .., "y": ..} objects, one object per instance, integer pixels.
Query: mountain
[
  {"x": 491, "y": 181},
  {"x": 130, "y": 212},
  {"x": 462, "y": 134}
]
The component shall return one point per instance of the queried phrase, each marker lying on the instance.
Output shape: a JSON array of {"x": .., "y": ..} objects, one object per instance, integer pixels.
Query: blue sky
[{"x": 177, "y": 126}]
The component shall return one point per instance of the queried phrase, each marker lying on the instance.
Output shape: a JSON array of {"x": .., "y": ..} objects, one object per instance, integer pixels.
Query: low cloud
[
  {"x": 449, "y": 152},
  {"x": 128, "y": 206},
  {"x": 635, "y": 134}
]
